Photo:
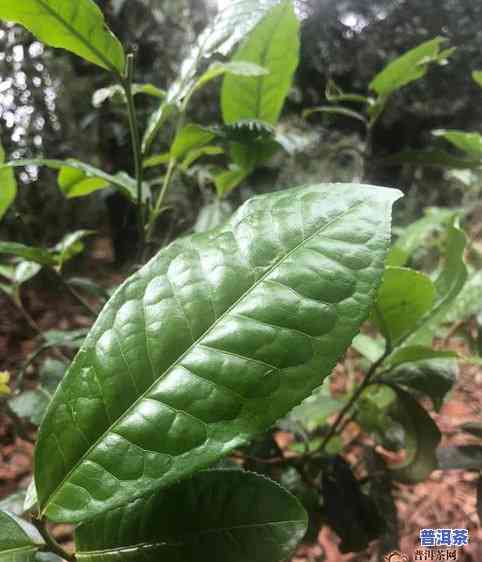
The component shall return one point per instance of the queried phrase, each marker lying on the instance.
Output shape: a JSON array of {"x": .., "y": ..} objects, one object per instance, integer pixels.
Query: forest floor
[{"x": 445, "y": 500}]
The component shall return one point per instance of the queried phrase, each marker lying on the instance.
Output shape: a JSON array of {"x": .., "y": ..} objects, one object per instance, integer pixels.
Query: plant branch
[
  {"x": 160, "y": 199},
  {"x": 50, "y": 543},
  {"x": 126, "y": 84}
]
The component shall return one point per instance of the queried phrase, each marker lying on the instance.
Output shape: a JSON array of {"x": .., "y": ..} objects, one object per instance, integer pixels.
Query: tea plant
[{"x": 223, "y": 332}]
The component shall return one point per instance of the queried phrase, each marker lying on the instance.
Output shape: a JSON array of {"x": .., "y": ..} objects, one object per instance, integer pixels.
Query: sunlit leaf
[{"x": 8, "y": 185}]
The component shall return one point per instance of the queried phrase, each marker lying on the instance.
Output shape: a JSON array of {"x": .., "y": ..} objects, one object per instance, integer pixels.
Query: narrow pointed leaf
[
  {"x": 336, "y": 110},
  {"x": 471, "y": 143},
  {"x": 233, "y": 516},
  {"x": 19, "y": 541},
  {"x": 211, "y": 342},
  {"x": 29, "y": 253},
  {"x": 8, "y": 186},
  {"x": 273, "y": 45},
  {"x": 76, "y": 26}
]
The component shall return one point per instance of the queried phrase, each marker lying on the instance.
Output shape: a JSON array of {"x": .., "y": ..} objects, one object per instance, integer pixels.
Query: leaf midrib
[
  {"x": 195, "y": 343},
  {"x": 26, "y": 548},
  {"x": 153, "y": 545},
  {"x": 79, "y": 36}
]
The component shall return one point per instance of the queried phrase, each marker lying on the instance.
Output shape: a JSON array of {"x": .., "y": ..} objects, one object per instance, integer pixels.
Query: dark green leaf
[
  {"x": 432, "y": 157},
  {"x": 335, "y": 94},
  {"x": 218, "y": 515},
  {"x": 76, "y": 26},
  {"x": 404, "y": 296},
  {"x": 418, "y": 353},
  {"x": 408, "y": 67},
  {"x": 465, "y": 457},
  {"x": 273, "y": 45},
  {"x": 433, "y": 378},
  {"x": 212, "y": 341},
  {"x": 471, "y": 143},
  {"x": 8, "y": 185},
  {"x": 18, "y": 539},
  {"x": 422, "y": 437}
]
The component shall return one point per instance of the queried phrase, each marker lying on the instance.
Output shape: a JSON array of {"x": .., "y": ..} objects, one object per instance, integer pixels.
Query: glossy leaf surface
[
  {"x": 76, "y": 26},
  {"x": 218, "y": 515},
  {"x": 18, "y": 539},
  {"x": 211, "y": 342},
  {"x": 8, "y": 185},
  {"x": 404, "y": 296},
  {"x": 273, "y": 45}
]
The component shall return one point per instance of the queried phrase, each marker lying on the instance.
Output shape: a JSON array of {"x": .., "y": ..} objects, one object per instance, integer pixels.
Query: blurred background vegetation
[{"x": 46, "y": 109}]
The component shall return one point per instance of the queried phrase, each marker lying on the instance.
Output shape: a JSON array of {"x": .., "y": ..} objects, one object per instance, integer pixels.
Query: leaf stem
[
  {"x": 50, "y": 543},
  {"x": 126, "y": 84},
  {"x": 91, "y": 311},
  {"x": 160, "y": 199}
]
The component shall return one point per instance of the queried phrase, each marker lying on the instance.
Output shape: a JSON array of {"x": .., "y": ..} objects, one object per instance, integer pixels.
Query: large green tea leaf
[
  {"x": 76, "y": 26},
  {"x": 19, "y": 541},
  {"x": 218, "y": 515},
  {"x": 213, "y": 340},
  {"x": 273, "y": 45}
]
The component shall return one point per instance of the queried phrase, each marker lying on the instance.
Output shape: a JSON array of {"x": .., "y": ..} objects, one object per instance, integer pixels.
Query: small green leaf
[
  {"x": 469, "y": 301},
  {"x": 31, "y": 405},
  {"x": 408, "y": 67},
  {"x": 75, "y": 183},
  {"x": 432, "y": 377},
  {"x": 336, "y": 110},
  {"x": 26, "y": 270},
  {"x": 156, "y": 160},
  {"x": 471, "y": 143},
  {"x": 226, "y": 180},
  {"x": 370, "y": 348},
  {"x": 77, "y": 26},
  {"x": 29, "y": 253},
  {"x": 237, "y": 68},
  {"x": 196, "y": 153},
  {"x": 211, "y": 342},
  {"x": 404, "y": 296},
  {"x": 191, "y": 136},
  {"x": 121, "y": 181},
  {"x": 273, "y": 45},
  {"x": 70, "y": 246},
  {"x": 8, "y": 185},
  {"x": 422, "y": 437},
  {"x": 477, "y": 76},
  {"x": 116, "y": 94},
  {"x": 19, "y": 540},
  {"x": 335, "y": 94},
  {"x": 218, "y": 515},
  {"x": 315, "y": 410}
]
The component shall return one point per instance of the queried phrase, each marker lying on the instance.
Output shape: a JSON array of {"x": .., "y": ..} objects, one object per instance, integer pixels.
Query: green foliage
[
  {"x": 471, "y": 143},
  {"x": 477, "y": 75},
  {"x": 402, "y": 300},
  {"x": 469, "y": 301},
  {"x": 199, "y": 372},
  {"x": 116, "y": 93},
  {"x": 78, "y": 27},
  {"x": 19, "y": 541},
  {"x": 411, "y": 66},
  {"x": 218, "y": 515},
  {"x": 8, "y": 186},
  {"x": 273, "y": 45}
]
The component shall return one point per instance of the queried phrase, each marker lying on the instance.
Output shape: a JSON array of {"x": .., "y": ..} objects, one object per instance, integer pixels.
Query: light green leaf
[
  {"x": 213, "y": 215},
  {"x": 29, "y": 253},
  {"x": 469, "y": 301},
  {"x": 70, "y": 246},
  {"x": 218, "y": 515},
  {"x": 74, "y": 185},
  {"x": 26, "y": 270},
  {"x": 471, "y": 143},
  {"x": 274, "y": 45},
  {"x": 477, "y": 76},
  {"x": 418, "y": 353},
  {"x": 422, "y": 438},
  {"x": 414, "y": 235},
  {"x": 76, "y": 26},
  {"x": 411, "y": 66},
  {"x": 212, "y": 341},
  {"x": 404, "y": 296},
  {"x": 8, "y": 185},
  {"x": 156, "y": 160},
  {"x": 116, "y": 94},
  {"x": 231, "y": 25},
  {"x": 433, "y": 378},
  {"x": 19, "y": 541},
  {"x": 191, "y": 136},
  {"x": 226, "y": 180},
  {"x": 194, "y": 155},
  {"x": 336, "y": 110},
  {"x": 237, "y": 68}
]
